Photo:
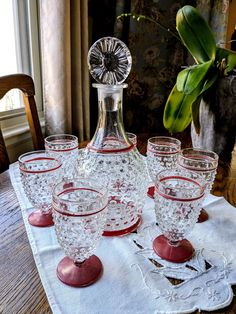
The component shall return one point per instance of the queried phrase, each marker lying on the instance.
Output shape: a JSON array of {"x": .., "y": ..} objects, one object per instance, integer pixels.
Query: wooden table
[{"x": 21, "y": 288}]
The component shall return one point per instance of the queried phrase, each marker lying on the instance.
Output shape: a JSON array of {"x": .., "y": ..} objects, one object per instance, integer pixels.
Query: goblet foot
[
  {"x": 107, "y": 233},
  {"x": 151, "y": 191},
  {"x": 79, "y": 275},
  {"x": 39, "y": 219},
  {"x": 176, "y": 254},
  {"x": 203, "y": 215}
]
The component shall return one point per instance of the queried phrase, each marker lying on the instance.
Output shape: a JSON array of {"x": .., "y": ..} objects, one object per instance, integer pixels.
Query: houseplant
[
  {"x": 202, "y": 89},
  {"x": 204, "y": 93}
]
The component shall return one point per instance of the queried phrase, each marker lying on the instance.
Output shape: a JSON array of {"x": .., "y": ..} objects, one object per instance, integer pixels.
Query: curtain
[
  {"x": 64, "y": 46},
  {"x": 216, "y": 13}
]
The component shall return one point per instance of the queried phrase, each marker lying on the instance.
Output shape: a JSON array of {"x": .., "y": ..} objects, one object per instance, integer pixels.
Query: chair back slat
[{"x": 25, "y": 84}]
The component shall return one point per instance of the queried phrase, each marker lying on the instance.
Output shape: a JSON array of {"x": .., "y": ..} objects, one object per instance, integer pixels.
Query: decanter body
[{"x": 112, "y": 159}]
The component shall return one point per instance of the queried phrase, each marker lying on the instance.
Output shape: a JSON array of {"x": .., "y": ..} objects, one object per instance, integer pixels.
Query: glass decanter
[{"x": 111, "y": 157}]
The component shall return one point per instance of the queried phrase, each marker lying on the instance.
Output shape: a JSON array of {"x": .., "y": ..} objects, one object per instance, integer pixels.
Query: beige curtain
[
  {"x": 216, "y": 13},
  {"x": 64, "y": 45}
]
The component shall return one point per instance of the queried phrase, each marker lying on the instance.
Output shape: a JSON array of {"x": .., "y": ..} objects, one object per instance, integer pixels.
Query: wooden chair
[{"x": 24, "y": 83}]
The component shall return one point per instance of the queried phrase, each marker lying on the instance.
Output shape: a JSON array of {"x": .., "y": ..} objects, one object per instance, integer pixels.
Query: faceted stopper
[{"x": 109, "y": 61}]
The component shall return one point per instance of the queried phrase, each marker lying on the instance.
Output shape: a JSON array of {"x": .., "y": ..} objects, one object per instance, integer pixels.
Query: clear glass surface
[
  {"x": 162, "y": 153},
  {"x": 79, "y": 213},
  {"x": 109, "y": 61},
  {"x": 132, "y": 137},
  {"x": 39, "y": 173},
  {"x": 204, "y": 162},
  {"x": 63, "y": 147},
  {"x": 178, "y": 198},
  {"x": 113, "y": 159}
]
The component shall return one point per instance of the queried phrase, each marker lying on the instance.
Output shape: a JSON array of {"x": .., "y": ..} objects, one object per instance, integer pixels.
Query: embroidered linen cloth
[{"x": 135, "y": 279}]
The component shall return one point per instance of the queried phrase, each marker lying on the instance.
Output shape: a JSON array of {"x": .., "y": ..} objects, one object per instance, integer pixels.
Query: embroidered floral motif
[
  {"x": 201, "y": 280},
  {"x": 213, "y": 294},
  {"x": 170, "y": 295}
]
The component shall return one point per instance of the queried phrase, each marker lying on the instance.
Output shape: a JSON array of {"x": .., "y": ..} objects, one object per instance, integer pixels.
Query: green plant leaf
[
  {"x": 221, "y": 53},
  {"x": 188, "y": 79},
  {"x": 177, "y": 113},
  {"x": 210, "y": 80},
  {"x": 229, "y": 56},
  {"x": 212, "y": 76},
  {"x": 182, "y": 108},
  {"x": 195, "y": 114},
  {"x": 196, "y": 34}
]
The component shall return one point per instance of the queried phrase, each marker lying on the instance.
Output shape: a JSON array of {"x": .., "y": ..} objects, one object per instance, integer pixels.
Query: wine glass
[
  {"x": 132, "y": 137},
  {"x": 79, "y": 213},
  {"x": 38, "y": 174},
  {"x": 162, "y": 153},
  {"x": 205, "y": 163},
  {"x": 64, "y": 147},
  {"x": 178, "y": 198}
]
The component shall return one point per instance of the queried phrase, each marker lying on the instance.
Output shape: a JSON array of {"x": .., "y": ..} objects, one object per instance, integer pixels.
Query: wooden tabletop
[{"x": 21, "y": 288}]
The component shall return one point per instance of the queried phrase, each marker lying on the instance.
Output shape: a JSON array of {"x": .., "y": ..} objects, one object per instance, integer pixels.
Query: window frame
[{"x": 26, "y": 16}]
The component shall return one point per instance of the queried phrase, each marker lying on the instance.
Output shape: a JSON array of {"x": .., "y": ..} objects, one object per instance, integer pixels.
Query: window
[
  {"x": 19, "y": 53},
  {"x": 8, "y": 53}
]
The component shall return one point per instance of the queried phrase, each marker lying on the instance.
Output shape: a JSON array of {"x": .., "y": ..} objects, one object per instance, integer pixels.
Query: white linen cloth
[{"x": 130, "y": 282}]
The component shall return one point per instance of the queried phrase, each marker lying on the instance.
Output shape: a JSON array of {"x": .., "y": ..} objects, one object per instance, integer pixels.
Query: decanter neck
[
  {"x": 110, "y": 135},
  {"x": 110, "y": 97}
]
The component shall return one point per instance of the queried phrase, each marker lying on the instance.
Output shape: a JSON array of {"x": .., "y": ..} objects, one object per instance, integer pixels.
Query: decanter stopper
[{"x": 109, "y": 61}]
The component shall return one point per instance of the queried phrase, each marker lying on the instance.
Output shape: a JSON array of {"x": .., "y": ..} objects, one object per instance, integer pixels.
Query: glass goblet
[
  {"x": 79, "y": 213},
  {"x": 205, "y": 163},
  {"x": 64, "y": 147},
  {"x": 178, "y": 198},
  {"x": 38, "y": 175},
  {"x": 132, "y": 137},
  {"x": 162, "y": 153}
]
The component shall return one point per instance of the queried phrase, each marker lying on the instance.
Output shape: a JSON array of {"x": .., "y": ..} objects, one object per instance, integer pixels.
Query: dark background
[{"x": 157, "y": 58}]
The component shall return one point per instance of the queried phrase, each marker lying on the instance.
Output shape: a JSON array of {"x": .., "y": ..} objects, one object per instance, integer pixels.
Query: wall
[{"x": 18, "y": 139}]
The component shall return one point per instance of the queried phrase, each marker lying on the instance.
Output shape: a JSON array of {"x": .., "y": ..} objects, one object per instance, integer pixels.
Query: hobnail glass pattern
[
  {"x": 178, "y": 198},
  {"x": 113, "y": 159},
  {"x": 79, "y": 214},
  {"x": 63, "y": 147},
  {"x": 125, "y": 177},
  {"x": 203, "y": 162},
  {"x": 132, "y": 137},
  {"x": 162, "y": 153},
  {"x": 38, "y": 175},
  {"x": 109, "y": 61}
]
